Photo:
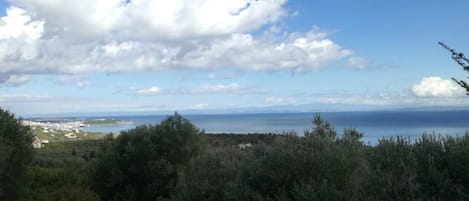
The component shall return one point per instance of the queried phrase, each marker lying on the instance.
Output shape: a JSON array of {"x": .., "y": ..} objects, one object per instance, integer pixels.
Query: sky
[{"x": 211, "y": 56}]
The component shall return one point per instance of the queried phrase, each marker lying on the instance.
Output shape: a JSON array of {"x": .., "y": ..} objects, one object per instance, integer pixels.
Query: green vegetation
[
  {"x": 15, "y": 154},
  {"x": 143, "y": 163},
  {"x": 59, "y": 171},
  {"x": 61, "y": 135},
  {"x": 174, "y": 161},
  {"x": 101, "y": 121}
]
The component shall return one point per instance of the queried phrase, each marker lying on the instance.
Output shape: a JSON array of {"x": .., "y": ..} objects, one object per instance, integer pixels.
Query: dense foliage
[
  {"x": 174, "y": 161},
  {"x": 143, "y": 163},
  {"x": 15, "y": 154},
  {"x": 59, "y": 172}
]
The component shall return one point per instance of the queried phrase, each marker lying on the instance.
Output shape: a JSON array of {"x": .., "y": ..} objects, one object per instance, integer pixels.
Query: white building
[
  {"x": 37, "y": 143},
  {"x": 70, "y": 135}
]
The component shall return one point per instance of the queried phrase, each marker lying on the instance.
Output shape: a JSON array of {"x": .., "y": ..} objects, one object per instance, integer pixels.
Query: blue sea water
[{"x": 374, "y": 125}]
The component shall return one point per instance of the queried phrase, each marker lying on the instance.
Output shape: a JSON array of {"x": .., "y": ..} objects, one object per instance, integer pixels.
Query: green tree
[
  {"x": 58, "y": 183},
  {"x": 457, "y": 157},
  {"x": 318, "y": 166},
  {"x": 394, "y": 168},
  {"x": 432, "y": 169},
  {"x": 15, "y": 154},
  {"x": 143, "y": 163},
  {"x": 210, "y": 175}
]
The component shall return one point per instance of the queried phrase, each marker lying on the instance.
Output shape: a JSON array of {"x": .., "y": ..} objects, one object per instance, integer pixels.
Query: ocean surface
[{"x": 374, "y": 125}]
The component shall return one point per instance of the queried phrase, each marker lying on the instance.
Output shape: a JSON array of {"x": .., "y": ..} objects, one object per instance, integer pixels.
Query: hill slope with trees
[{"x": 173, "y": 160}]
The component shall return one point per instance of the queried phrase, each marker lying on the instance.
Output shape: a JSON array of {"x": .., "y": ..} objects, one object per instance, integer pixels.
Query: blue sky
[{"x": 201, "y": 56}]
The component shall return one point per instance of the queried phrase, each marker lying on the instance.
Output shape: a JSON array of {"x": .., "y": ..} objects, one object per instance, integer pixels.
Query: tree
[
  {"x": 210, "y": 175},
  {"x": 143, "y": 163},
  {"x": 15, "y": 154},
  {"x": 393, "y": 165},
  {"x": 318, "y": 166}
]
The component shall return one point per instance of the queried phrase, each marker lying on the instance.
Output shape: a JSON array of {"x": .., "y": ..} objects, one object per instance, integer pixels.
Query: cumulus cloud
[
  {"x": 87, "y": 36},
  {"x": 297, "y": 52},
  {"x": 19, "y": 36},
  {"x": 113, "y": 49},
  {"x": 436, "y": 87},
  {"x": 154, "y": 19}
]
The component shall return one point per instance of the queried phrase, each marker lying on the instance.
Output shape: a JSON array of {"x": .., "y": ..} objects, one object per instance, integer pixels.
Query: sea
[{"x": 373, "y": 124}]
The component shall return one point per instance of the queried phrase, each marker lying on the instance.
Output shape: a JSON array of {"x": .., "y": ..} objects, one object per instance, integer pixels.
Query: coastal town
[
  {"x": 67, "y": 126},
  {"x": 46, "y": 132}
]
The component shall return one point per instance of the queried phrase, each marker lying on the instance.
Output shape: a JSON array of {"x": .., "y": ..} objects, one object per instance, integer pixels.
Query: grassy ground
[{"x": 60, "y": 135}]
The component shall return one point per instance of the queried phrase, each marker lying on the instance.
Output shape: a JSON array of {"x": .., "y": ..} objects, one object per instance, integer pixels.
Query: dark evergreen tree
[
  {"x": 143, "y": 163},
  {"x": 15, "y": 153}
]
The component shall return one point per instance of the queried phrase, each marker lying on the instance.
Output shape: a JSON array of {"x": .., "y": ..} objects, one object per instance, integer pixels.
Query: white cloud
[
  {"x": 78, "y": 80},
  {"x": 298, "y": 52},
  {"x": 28, "y": 104},
  {"x": 88, "y": 36},
  {"x": 436, "y": 87},
  {"x": 219, "y": 88},
  {"x": 212, "y": 76},
  {"x": 359, "y": 100},
  {"x": 113, "y": 49},
  {"x": 199, "y": 106},
  {"x": 357, "y": 62},
  {"x": 385, "y": 99},
  {"x": 231, "y": 88},
  {"x": 64, "y": 79},
  {"x": 18, "y": 24},
  {"x": 149, "y": 91},
  {"x": 279, "y": 100},
  {"x": 167, "y": 20},
  {"x": 19, "y": 36},
  {"x": 224, "y": 76},
  {"x": 83, "y": 84},
  {"x": 18, "y": 98}
]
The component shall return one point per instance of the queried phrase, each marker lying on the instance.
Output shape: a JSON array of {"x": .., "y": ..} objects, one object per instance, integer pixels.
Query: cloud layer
[
  {"x": 153, "y": 19},
  {"x": 231, "y": 88},
  {"x": 86, "y": 36}
]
